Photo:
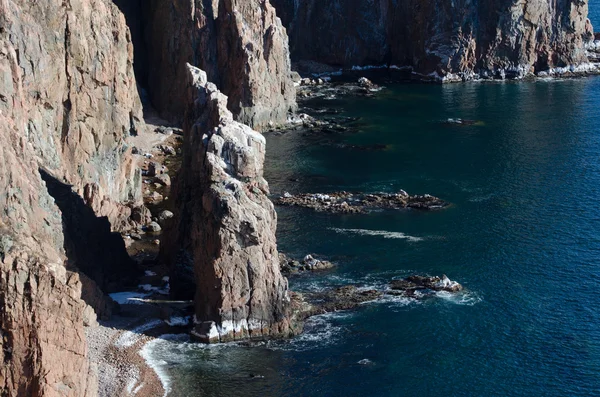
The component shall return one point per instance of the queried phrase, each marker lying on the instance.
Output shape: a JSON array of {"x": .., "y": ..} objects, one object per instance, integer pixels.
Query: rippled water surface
[{"x": 522, "y": 235}]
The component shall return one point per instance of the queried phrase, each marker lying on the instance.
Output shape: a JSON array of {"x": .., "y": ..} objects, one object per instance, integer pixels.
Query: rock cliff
[
  {"x": 241, "y": 44},
  {"x": 226, "y": 224},
  {"x": 68, "y": 99},
  {"x": 440, "y": 39}
]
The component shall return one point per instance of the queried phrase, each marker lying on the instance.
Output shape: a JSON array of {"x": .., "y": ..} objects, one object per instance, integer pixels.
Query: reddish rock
[
  {"x": 240, "y": 43},
  {"x": 68, "y": 101},
  {"x": 225, "y": 223}
]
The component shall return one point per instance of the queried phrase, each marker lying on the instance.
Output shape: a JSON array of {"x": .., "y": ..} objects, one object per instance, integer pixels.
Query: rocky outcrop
[
  {"x": 360, "y": 203},
  {"x": 225, "y": 224},
  {"x": 68, "y": 100},
  {"x": 42, "y": 347},
  {"x": 68, "y": 73},
  {"x": 241, "y": 45},
  {"x": 440, "y": 39}
]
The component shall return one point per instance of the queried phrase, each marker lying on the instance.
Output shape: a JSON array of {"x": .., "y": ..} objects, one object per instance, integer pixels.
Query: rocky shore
[{"x": 360, "y": 203}]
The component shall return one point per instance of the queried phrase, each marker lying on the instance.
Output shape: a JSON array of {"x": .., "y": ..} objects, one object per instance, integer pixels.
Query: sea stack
[{"x": 226, "y": 224}]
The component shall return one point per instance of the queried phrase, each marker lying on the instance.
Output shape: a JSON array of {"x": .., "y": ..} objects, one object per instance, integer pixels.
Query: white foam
[
  {"x": 149, "y": 273},
  {"x": 319, "y": 331},
  {"x": 465, "y": 298},
  {"x": 158, "y": 366},
  {"x": 129, "y": 298},
  {"x": 380, "y": 233},
  {"x": 369, "y": 67},
  {"x": 129, "y": 338},
  {"x": 132, "y": 382}
]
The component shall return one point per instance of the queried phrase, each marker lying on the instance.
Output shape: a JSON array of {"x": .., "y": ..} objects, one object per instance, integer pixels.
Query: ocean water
[
  {"x": 522, "y": 235},
  {"x": 594, "y": 14}
]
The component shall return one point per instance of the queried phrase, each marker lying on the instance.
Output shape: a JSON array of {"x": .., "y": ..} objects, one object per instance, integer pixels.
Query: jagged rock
[
  {"x": 168, "y": 150},
  {"x": 165, "y": 216},
  {"x": 154, "y": 168},
  {"x": 156, "y": 197},
  {"x": 154, "y": 227},
  {"x": 439, "y": 39},
  {"x": 141, "y": 215},
  {"x": 365, "y": 83},
  {"x": 68, "y": 102},
  {"x": 309, "y": 263},
  {"x": 410, "y": 285},
  {"x": 242, "y": 46},
  {"x": 352, "y": 203},
  {"x": 225, "y": 223},
  {"x": 164, "y": 130},
  {"x": 164, "y": 180}
]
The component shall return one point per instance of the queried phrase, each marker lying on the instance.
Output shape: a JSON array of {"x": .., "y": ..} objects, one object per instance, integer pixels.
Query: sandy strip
[{"x": 115, "y": 350}]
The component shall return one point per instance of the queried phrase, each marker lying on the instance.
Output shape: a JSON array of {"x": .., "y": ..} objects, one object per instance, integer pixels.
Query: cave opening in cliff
[
  {"x": 90, "y": 245},
  {"x": 136, "y": 17}
]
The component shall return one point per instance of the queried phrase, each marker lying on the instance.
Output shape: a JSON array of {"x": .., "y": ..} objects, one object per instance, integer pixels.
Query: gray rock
[
  {"x": 154, "y": 227},
  {"x": 164, "y": 180},
  {"x": 439, "y": 39},
  {"x": 165, "y": 216}
]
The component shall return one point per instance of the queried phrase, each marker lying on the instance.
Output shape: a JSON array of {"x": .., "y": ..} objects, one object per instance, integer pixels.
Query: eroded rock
[
  {"x": 439, "y": 40},
  {"x": 309, "y": 263},
  {"x": 241, "y": 45},
  {"x": 225, "y": 224},
  {"x": 353, "y": 203}
]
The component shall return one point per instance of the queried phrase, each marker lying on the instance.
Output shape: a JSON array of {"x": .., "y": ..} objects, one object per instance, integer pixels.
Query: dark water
[
  {"x": 594, "y": 14},
  {"x": 523, "y": 236}
]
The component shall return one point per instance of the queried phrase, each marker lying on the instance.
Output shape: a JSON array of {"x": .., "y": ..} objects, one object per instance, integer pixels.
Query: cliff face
[
  {"x": 240, "y": 43},
  {"x": 68, "y": 99},
  {"x": 226, "y": 224},
  {"x": 440, "y": 37}
]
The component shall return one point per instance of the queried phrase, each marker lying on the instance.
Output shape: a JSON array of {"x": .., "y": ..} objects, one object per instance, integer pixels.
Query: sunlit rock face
[
  {"x": 242, "y": 46},
  {"x": 225, "y": 223}
]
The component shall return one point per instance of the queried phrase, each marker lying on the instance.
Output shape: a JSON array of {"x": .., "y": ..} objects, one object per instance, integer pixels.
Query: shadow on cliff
[{"x": 90, "y": 245}]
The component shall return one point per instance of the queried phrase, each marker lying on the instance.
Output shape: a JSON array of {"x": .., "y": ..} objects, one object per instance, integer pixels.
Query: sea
[{"x": 522, "y": 236}]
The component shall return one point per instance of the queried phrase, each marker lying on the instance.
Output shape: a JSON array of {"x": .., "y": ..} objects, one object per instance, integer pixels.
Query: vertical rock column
[
  {"x": 242, "y": 46},
  {"x": 226, "y": 223}
]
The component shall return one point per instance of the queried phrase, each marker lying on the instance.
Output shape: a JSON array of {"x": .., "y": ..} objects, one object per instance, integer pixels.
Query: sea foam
[
  {"x": 380, "y": 233},
  {"x": 158, "y": 366}
]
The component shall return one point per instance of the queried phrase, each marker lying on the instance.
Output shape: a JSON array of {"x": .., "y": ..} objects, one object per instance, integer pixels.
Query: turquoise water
[{"x": 522, "y": 235}]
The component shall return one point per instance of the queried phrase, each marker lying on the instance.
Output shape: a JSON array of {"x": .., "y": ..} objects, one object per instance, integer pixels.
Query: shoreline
[
  {"x": 121, "y": 369},
  {"x": 118, "y": 351}
]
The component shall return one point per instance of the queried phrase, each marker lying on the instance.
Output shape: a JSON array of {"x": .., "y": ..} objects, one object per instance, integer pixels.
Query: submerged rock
[
  {"x": 349, "y": 203},
  {"x": 411, "y": 285}
]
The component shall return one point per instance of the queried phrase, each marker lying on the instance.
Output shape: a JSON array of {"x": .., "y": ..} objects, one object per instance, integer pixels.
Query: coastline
[{"x": 120, "y": 367}]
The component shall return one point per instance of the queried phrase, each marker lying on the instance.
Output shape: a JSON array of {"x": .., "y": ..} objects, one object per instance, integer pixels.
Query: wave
[
  {"x": 319, "y": 331},
  {"x": 379, "y": 233},
  {"x": 465, "y": 298},
  {"x": 129, "y": 338},
  {"x": 157, "y": 365}
]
